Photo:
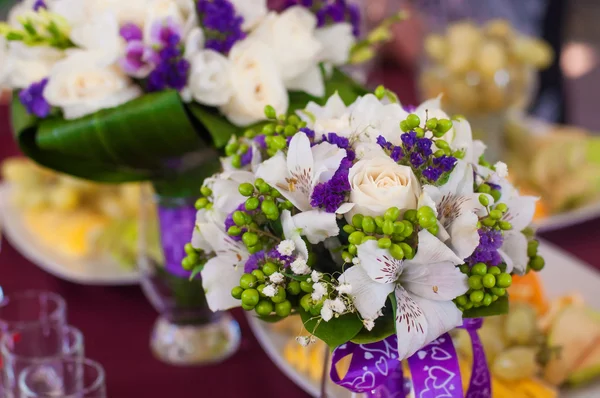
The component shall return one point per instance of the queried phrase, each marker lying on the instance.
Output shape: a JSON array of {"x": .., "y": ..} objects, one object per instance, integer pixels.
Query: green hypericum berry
[
  {"x": 248, "y": 281},
  {"x": 250, "y": 239},
  {"x": 246, "y": 189},
  {"x": 243, "y": 148},
  {"x": 487, "y": 300},
  {"x": 496, "y": 194},
  {"x": 236, "y": 292},
  {"x": 479, "y": 269},
  {"x": 462, "y": 300},
  {"x": 306, "y": 287},
  {"x": 496, "y": 214},
  {"x": 293, "y": 119},
  {"x": 357, "y": 220},
  {"x": 348, "y": 228},
  {"x": 270, "y": 112},
  {"x": 498, "y": 291},
  {"x": 239, "y": 218},
  {"x": 475, "y": 282},
  {"x": 410, "y": 215},
  {"x": 201, "y": 203},
  {"x": 434, "y": 229},
  {"x": 442, "y": 144},
  {"x": 468, "y": 306},
  {"x": 269, "y": 207},
  {"x": 439, "y": 153},
  {"x": 347, "y": 257},
  {"x": 264, "y": 307},
  {"x": 488, "y": 222},
  {"x": 505, "y": 225},
  {"x": 408, "y": 228},
  {"x": 279, "y": 142},
  {"x": 236, "y": 161},
  {"x": 431, "y": 123},
  {"x": 504, "y": 280},
  {"x": 409, "y": 253},
  {"x": 252, "y": 204},
  {"x": 293, "y": 288},
  {"x": 489, "y": 281},
  {"x": 255, "y": 249},
  {"x": 250, "y": 297},
  {"x": 494, "y": 297},
  {"x": 465, "y": 269},
  {"x": 476, "y": 296},
  {"x": 397, "y": 252},
  {"x": 368, "y": 238},
  {"x": 260, "y": 289},
  {"x": 356, "y": 237},
  {"x": 420, "y": 132},
  {"x": 392, "y": 214},
  {"x": 532, "y": 248},
  {"x": 352, "y": 249},
  {"x": 502, "y": 207},
  {"x": 443, "y": 126},
  {"x": 246, "y": 307},
  {"x": 280, "y": 296},
  {"x": 379, "y": 92},
  {"x": 260, "y": 276},
  {"x": 494, "y": 271},
  {"x": 425, "y": 211},
  {"x": 484, "y": 188},
  {"x": 427, "y": 221},
  {"x": 484, "y": 200},
  {"x": 283, "y": 309},
  {"x": 269, "y": 269},
  {"x": 290, "y": 131},
  {"x": 234, "y": 230},
  {"x": 250, "y": 133},
  {"x": 368, "y": 224},
  {"x": 537, "y": 263},
  {"x": 305, "y": 302},
  {"x": 187, "y": 264},
  {"x": 205, "y": 191},
  {"x": 388, "y": 227},
  {"x": 413, "y": 121},
  {"x": 189, "y": 249},
  {"x": 404, "y": 126},
  {"x": 279, "y": 129},
  {"x": 384, "y": 243},
  {"x": 398, "y": 227},
  {"x": 231, "y": 148},
  {"x": 379, "y": 220}
]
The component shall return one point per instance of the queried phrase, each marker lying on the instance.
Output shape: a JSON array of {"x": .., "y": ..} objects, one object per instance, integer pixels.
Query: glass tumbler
[
  {"x": 31, "y": 307},
  {"x": 64, "y": 378},
  {"x": 30, "y": 345}
]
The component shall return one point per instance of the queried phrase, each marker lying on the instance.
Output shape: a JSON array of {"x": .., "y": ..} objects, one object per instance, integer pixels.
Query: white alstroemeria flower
[
  {"x": 334, "y": 116},
  {"x": 29, "y": 64},
  {"x": 424, "y": 288},
  {"x": 210, "y": 78},
  {"x": 337, "y": 41},
  {"x": 432, "y": 108},
  {"x": 463, "y": 141},
  {"x": 297, "y": 174},
  {"x": 225, "y": 193},
  {"x": 457, "y": 207},
  {"x": 371, "y": 118},
  {"x": 253, "y": 11},
  {"x": 100, "y": 34},
  {"x": 222, "y": 272},
  {"x": 205, "y": 216},
  {"x": 294, "y": 29}
]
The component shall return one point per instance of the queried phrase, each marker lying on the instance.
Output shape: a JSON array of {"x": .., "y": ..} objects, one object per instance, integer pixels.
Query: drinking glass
[
  {"x": 33, "y": 344},
  {"x": 64, "y": 378},
  {"x": 30, "y": 308}
]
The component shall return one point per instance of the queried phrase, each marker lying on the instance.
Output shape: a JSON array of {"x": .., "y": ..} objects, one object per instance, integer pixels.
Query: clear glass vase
[{"x": 186, "y": 332}]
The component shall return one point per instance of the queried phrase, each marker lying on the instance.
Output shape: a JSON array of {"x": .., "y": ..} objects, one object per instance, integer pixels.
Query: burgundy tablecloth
[{"x": 116, "y": 321}]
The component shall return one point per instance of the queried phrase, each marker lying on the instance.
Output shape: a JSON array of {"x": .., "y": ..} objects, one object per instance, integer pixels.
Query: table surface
[{"x": 116, "y": 321}]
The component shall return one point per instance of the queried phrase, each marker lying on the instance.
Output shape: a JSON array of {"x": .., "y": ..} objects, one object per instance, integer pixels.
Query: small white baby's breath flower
[
  {"x": 501, "y": 169},
  {"x": 369, "y": 324},
  {"x": 315, "y": 276},
  {"x": 356, "y": 261},
  {"x": 303, "y": 340},
  {"x": 277, "y": 277},
  {"x": 338, "y": 305},
  {"x": 299, "y": 267},
  {"x": 326, "y": 311},
  {"x": 286, "y": 247},
  {"x": 319, "y": 290},
  {"x": 270, "y": 290},
  {"x": 344, "y": 288}
]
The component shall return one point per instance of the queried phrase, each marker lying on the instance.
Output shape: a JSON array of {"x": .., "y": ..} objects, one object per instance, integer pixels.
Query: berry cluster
[
  {"x": 486, "y": 285},
  {"x": 536, "y": 262}
]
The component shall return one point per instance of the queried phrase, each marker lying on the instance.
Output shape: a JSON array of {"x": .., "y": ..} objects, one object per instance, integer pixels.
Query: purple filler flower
[
  {"x": 490, "y": 241},
  {"x": 166, "y": 33},
  {"x": 39, "y": 4},
  {"x": 253, "y": 261},
  {"x": 222, "y": 26},
  {"x": 331, "y": 194},
  {"x": 33, "y": 99},
  {"x": 432, "y": 173},
  {"x": 139, "y": 59},
  {"x": 131, "y": 32},
  {"x": 409, "y": 139}
]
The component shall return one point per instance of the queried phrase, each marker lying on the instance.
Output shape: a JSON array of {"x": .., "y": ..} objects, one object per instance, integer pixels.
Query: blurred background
[{"x": 526, "y": 73}]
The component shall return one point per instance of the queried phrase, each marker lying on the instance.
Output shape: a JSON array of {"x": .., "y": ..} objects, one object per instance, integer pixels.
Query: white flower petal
[
  {"x": 337, "y": 40},
  {"x": 442, "y": 317},
  {"x": 431, "y": 251},
  {"x": 426, "y": 200},
  {"x": 218, "y": 278},
  {"x": 369, "y": 297},
  {"x": 515, "y": 248},
  {"x": 439, "y": 282},
  {"x": 464, "y": 235},
  {"x": 311, "y": 82},
  {"x": 327, "y": 159},
  {"x": 411, "y": 324},
  {"x": 344, "y": 208},
  {"x": 292, "y": 231},
  {"x": 235, "y": 253},
  {"x": 520, "y": 211},
  {"x": 317, "y": 225},
  {"x": 379, "y": 263}
]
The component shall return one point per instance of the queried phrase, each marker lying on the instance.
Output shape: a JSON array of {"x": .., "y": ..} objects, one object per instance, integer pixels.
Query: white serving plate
[
  {"x": 562, "y": 275},
  {"x": 99, "y": 270},
  {"x": 569, "y": 218}
]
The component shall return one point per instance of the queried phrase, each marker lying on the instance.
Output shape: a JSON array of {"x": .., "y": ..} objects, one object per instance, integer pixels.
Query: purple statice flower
[
  {"x": 274, "y": 255},
  {"x": 331, "y": 12},
  {"x": 494, "y": 186},
  {"x": 409, "y": 139},
  {"x": 340, "y": 142},
  {"x": 169, "y": 73},
  {"x": 131, "y": 32},
  {"x": 410, "y": 108},
  {"x": 253, "y": 261},
  {"x": 139, "y": 59},
  {"x": 246, "y": 158},
  {"x": 33, "y": 99},
  {"x": 39, "y": 4},
  {"x": 416, "y": 159},
  {"x": 166, "y": 33},
  {"x": 424, "y": 146},
  {"x": 383, "y": 143},
  {"x": 397, "y": 153},
  {"x": 432, "y": 173},
  {"x": 309, "y": 133},
  {"x": 222, "y": 26},
  {"x": 261, "y": 141},
  {"x": 331, "y": 194},
  {"x": 445, "y": 163},
  {"x": 490, "y": 241}
]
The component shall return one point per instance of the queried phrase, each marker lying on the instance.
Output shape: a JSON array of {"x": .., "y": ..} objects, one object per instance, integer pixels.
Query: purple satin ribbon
[
  {"x": 176, "y": 227},
  {"x": 375, "y": 369}
]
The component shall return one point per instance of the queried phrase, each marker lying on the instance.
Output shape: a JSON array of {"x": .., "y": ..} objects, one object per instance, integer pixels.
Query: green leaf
[
  {"x": 385, "y": 325},
  {"x": 335, "y": 332},
  {"x": 135, "y": 141},
  {"x": 499, "y": 307},
  {"x": 219, "y": 128}
]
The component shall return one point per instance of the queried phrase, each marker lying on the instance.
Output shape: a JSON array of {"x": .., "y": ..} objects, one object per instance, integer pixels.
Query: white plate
[
  {"x": 569, "y": 218},
  {"x": 99, "y": 270},
  {"x": 563, "y": 274}
]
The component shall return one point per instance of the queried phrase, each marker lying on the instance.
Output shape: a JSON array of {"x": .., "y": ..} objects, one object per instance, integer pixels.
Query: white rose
[
  {"x": 210, "y": 78},
  {"x": 253, "y": 11},
  {"x": 100, "y": 34},
  {"x": 291, "y": 37},
  {"x": 84, "y": 83},
  {"x": 380, "y": 183},
  {"x": 255, "y": 82},
  {"x": 79, "y": 12},
  {"x": 336, "y": 41},
  {"x": 27, "y": 65}
]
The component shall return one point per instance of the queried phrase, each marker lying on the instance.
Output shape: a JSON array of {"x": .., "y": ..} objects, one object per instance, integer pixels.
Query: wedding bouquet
[
  {"x": 382, "y": 228},
  {"x": 121, "y": 90}
]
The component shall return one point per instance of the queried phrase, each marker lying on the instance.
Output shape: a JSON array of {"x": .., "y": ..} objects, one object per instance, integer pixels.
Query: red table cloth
[{"x": 116, "y": 321}]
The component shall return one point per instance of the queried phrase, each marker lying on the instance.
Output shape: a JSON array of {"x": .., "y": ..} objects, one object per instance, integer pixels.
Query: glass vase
[{"x": 186, "y": 332}]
